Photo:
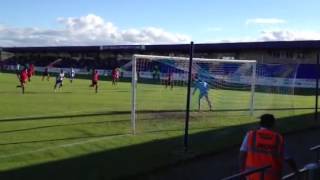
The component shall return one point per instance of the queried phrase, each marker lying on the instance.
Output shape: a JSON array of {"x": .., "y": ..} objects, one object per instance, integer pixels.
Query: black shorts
[{"x": 58, "y": 82}]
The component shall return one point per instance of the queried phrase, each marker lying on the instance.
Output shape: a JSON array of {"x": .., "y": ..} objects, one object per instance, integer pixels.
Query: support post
[
  {"x": 317, "y": 89},
  {"x": 186, "y": 131},
  {"x": 133, "y": 94}
]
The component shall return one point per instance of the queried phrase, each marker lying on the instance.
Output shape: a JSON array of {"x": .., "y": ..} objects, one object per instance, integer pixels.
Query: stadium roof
[{"x": 311, "y": 44}]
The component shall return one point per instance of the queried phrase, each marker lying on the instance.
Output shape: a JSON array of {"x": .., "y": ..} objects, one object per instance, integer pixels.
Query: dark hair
[{"x": 267, "y": 121}]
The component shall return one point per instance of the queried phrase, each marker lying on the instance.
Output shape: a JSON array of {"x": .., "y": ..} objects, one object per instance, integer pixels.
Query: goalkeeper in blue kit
[{"x": 203, "y": 92}]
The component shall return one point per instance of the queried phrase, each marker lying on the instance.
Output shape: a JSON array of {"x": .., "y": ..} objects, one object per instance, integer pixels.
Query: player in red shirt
[
  {"x": 169, "y": 79},
  {"x": 95, "y": 79},
  {"x": 115, "y": 76},
  {"x": 30, "y": 72},
  {"x": 23, "y": 77}
]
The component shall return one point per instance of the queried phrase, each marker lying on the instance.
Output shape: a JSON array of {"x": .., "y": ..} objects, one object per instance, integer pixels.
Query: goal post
[
  {"x": 181, "y": 69},
  {"x": 253, "y": 86}
]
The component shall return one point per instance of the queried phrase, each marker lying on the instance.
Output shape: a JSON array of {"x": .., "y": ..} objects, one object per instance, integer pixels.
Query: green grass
[{"x": 43, "y": 127}]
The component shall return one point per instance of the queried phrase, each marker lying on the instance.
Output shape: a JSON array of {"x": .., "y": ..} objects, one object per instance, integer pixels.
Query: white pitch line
[{"x": 60, "y": 146}]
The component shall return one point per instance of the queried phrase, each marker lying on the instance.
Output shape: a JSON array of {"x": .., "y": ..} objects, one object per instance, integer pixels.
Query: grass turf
[{"x": 42, "y": 127}]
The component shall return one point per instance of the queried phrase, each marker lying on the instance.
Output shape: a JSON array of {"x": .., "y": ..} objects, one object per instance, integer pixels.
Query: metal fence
[
  {"x": 246, "y": 173},
  {"x": 311, "y": 171}
]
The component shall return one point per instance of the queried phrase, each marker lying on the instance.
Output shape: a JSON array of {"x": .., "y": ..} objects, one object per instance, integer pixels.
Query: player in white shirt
[
  {"x": 72, "y": 75},
  {"x": 18, "y": 69},
  {"x": 59, "y": 80}
]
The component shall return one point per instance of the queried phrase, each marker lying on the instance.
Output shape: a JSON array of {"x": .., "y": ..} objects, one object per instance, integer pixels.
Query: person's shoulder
[
  {"x": 273, "y": 131},
  {"x": 251, "y": 132},
  {"x": 279, "y": 134}
]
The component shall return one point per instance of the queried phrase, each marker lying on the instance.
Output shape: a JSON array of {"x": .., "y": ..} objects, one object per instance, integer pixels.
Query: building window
[
  {"x": 300, "y": 55},
  {"x": 289, "y": 55},
  {"x": 275, "y": 54}
]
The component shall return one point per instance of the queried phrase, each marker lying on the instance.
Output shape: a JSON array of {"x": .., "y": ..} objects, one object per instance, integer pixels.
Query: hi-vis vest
[{"x": 265, "y": 147}]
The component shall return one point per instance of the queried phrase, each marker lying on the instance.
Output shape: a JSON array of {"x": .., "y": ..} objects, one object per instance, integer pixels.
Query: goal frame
[{"x": 176, "y": 58}]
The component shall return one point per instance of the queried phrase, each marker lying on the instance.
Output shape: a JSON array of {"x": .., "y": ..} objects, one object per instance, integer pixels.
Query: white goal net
[{"x": 159, "y": 89}]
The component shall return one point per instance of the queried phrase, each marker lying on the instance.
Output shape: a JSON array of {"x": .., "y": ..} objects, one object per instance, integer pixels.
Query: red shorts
[
  {"x": 23, "y": 81},
  {"x": 94, "y": 82}
]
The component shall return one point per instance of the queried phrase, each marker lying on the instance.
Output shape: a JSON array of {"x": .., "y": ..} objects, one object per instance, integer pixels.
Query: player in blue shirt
[{"x": 203, "y": 92}]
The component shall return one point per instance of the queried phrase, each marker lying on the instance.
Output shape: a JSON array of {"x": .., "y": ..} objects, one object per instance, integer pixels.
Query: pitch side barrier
[
  {"x": 260, "y": 170},
  {"x": 311, "y": 171},
  {"x": 303, "y": 175}
]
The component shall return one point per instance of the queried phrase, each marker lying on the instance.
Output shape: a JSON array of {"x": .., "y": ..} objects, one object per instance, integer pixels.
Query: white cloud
[
  {"x": 272, "y": 35},
  {"x": 265, "y": 21},
  {"x": 86, "y": 30},
  {"x": 288, "y": 35},
  {"x": 94, "y": 30}
]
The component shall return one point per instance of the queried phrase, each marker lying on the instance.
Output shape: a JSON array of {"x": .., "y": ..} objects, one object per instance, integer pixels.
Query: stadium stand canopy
[{"x": 311, "y": 44}]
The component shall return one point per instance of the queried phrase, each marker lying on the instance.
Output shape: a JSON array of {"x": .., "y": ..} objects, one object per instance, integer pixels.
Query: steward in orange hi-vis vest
[{"x": 265, "y": 147}]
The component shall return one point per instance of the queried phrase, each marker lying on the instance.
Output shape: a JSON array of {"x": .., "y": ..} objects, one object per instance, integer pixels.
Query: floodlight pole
[
  {"x": 317, "y": 89},
  {"x": 186, "y": 130}
]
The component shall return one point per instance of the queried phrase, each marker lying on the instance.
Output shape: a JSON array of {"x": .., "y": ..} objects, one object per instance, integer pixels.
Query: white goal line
[{"x": 152, "y": 57}]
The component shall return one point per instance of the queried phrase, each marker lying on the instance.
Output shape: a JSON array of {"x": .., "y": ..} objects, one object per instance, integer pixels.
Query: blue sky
[{"x": 45, "y": 22}]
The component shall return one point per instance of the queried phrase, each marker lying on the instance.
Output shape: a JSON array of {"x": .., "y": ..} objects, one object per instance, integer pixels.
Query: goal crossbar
[{"x": 152, "y": 57}]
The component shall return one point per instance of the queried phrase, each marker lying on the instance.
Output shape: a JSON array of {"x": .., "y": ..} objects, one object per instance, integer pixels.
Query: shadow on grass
[
  {"x": 58, "y": 92},
  {"x": 142, "y": 112},
  {"x": 64, "y": 116},
  {"x": 135, "y": 161},
  {"x": 65, "y": 139},
  {"x": 63, "y": 125},
  {"x": 32, "y": 92},
  {"x": 90, "y": 136}
]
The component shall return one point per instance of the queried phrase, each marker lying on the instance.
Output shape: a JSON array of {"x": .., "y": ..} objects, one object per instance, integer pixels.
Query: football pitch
[{"x": 44, "y": 127}]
